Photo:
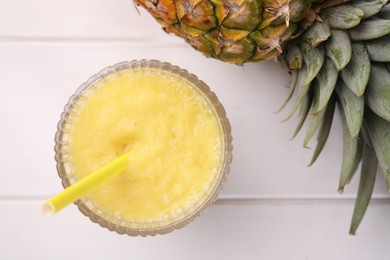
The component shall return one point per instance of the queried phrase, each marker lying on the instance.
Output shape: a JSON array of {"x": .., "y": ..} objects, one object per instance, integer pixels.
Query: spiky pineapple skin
[
  {"x": 233, "y": 31},
  {"x": 337, "y": 51}
]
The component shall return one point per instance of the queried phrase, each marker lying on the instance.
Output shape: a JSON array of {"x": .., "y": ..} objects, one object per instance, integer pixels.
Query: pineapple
[{"x": 338, "y": 55}]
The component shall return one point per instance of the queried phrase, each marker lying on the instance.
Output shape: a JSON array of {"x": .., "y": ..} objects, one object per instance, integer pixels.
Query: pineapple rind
[{"x": 230, "y": 25}]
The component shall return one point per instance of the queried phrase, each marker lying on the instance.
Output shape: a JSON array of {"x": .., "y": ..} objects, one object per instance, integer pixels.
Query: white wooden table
[{"x": 272, "y": 207}]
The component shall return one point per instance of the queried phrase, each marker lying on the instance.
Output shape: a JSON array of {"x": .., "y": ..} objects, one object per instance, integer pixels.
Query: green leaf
[
  {"x": 302, "y": 91},
  {"x": 358, "y": 157},
  {"x": 379, "y": 49},
  {"x": 377, "y": 94},
  {"x": 353, "y": 107},
  {"x": 385, "y": 12},
  {"x": 294, "y": 58},
  {"x": 370, "y": 29},
  {"x": 329, "y": 3},
  {"x": 357, "y": 73},
  {"x": 303, "y": 114},
  {"x": 351, "y": 154},
  {"x": 293, "y": 82},
  {"x": 339, "y": 48},
  {"x": 365, "y": 135},
  {"x": 312, "y": 126},
  {"x": 342, "y": 17},
  {"x": 317, "y": 33},
  {"x": 379, "y": 132},
  {"x": 366, "y": 186},
  {"x": 324, "y": 131},
  {"x": 369, "y": 7},
  {"x": 314, "y": 58},
  {"x": 327, "y": 78}
]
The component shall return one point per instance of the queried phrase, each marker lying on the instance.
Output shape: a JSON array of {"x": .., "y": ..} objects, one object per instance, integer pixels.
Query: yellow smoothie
[{"x": 172, "y": 133}]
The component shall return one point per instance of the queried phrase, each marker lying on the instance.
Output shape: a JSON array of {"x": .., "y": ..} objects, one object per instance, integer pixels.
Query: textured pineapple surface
[
  {"x": 232, "y": 31},
  {"x": 338, "y": 54}
]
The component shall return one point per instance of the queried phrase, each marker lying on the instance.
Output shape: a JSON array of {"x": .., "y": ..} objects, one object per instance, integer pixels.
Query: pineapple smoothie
[{"x": 174, "y": 137}]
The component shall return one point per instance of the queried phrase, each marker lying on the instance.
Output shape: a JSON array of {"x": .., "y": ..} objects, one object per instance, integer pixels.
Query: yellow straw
[{"x": 85, "y": 185}]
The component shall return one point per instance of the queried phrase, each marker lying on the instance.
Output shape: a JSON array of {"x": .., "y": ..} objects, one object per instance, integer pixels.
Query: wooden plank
[
  {"x": 229, "y": 230},
  {"x": 88, "y": 19},
  {"x": 38, "y": 78}
]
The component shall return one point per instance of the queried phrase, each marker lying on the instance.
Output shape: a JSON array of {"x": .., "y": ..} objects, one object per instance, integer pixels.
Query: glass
[{"x": 112, "y": 222}]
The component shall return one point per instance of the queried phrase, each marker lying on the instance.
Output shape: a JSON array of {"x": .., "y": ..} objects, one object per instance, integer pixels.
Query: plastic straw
[{"x": 85, "y": 185}]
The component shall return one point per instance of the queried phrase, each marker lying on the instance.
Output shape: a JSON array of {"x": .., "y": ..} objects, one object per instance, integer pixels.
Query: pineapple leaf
[
  {"x": 324, "y": 131},
  {"x": 379, "y": 132},
  {"x": 317, "y": 33},
  {"x": 293, "y": 82},
  {"x": 357, "y": 159},
  {"x": 378, "y": 93},
  {"x": 379, "y": 49},
  {"x": 385, "y": 12},
  {"x": 366, "y": 135},
  {"x": 294, "y": 58},
  {"x": 327, "y": 78},
  {"x": 353, "y": 107},
  {"x": 330, "y": 3},
  {"x": 366, "y": 186},
  {"x": 351, "y": 154},
  {"x": 357, "y": 72},
  {"x": 314, "y": 58},
  {"x": 305, "y": 106},
  {"x": 339, "y": 48},
  {"x": 370, "y": 29},
  {"x": 312, "y": 126},
  {"x": 302, "y": 91},
  {"x": 342, "y": 17},
  {"x": 369, "y": 7}
]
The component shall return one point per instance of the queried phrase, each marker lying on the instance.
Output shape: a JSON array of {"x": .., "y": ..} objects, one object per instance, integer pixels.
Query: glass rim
[{"x": 214, "y": 101}]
